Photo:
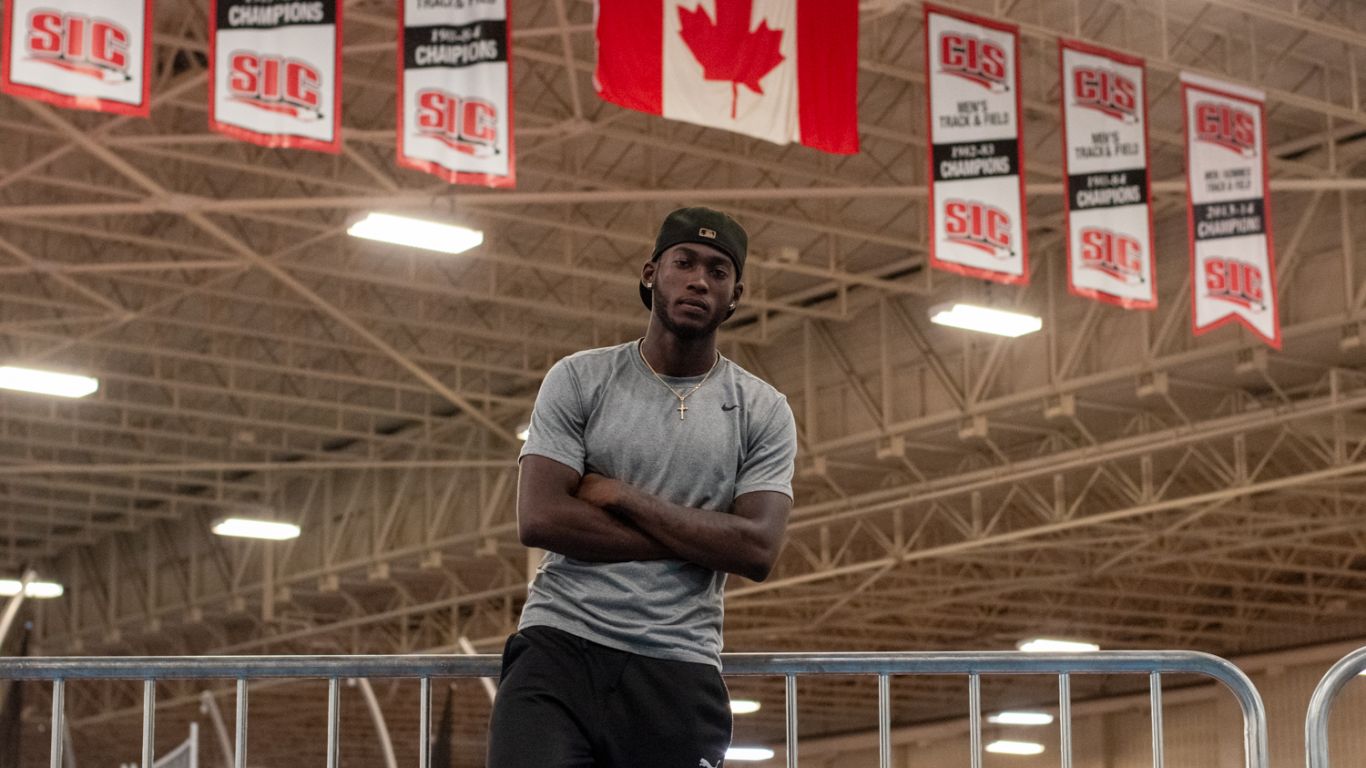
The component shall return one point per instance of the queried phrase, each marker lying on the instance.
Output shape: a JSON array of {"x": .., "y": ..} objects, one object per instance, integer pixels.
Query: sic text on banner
[
  {"x": 78, "y": 54},
  {"x": 455, "y": 88},
  {"x": 275, "y": 72}
]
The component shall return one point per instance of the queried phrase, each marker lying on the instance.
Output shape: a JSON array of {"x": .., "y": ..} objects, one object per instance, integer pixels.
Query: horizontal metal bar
[{"x": 486, "y": 665}]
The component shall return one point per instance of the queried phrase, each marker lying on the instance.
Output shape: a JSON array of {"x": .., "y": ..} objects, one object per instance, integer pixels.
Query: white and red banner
[
  {"x": 275, "y": 72},
  {"x": 1233, "y": 268},
  {"x": 1105, "y": 164},
  {"x": 779, "y": 70},
  {"x": 79, "y": 54},
  {"x": 455, "y": 88},
  {"x": 977, "y": 207}
]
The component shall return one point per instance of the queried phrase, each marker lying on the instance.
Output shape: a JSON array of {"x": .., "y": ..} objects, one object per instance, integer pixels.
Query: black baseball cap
[{"x": 701, "y": 225}]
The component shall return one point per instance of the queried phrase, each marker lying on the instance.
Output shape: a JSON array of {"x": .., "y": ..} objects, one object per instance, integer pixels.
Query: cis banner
[
  {"x": 976, "y": 164},
  {"x": 79, "y": 54},
  {"x": 275, "y": 72},
  {"x": 1233, "y": 268},
  {"x": 455, "y": 110},
  {"x": 1105, "y": 163}
]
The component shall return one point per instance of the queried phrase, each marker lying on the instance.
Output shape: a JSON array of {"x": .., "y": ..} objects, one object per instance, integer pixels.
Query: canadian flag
[{"x": 780, "y": 70}]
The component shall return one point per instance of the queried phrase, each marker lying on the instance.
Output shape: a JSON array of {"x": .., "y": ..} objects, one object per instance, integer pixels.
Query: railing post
[
  {"x": 240, "y": 747},
  {"x": 58, "y": 721},
  {"x": 884, "y": 722},
  {"x": 424, "y": 723},
  {"x": 333, "y": 721},
  {"x": 791, "y": 699},
  {"x": 149, "y": 714},
  {"x": 975, "y": 718},
  {"x": 1155, "y": 699},
  {"x": 1065, "y": 718}
]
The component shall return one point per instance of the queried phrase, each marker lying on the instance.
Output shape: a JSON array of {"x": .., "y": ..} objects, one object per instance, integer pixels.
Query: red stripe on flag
[
  {"x": 827, "y": 74},
  {"x": 630, "y": 69}
]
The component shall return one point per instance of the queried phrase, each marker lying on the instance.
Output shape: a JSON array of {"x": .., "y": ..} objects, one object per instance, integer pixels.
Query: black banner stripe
[
  {"x": 976, "y": 159},
  {"x": 453, "y": 46},
  {"x": 1110, "y": 189},
  {"x": 271, "y": 14},
  {"x": 1232, "y": 219}
]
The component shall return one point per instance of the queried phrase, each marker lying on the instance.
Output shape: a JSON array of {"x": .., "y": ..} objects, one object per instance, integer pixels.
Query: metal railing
[
  {"x": 786, "y": 665},
  {"x": 1321, "y": 706}
]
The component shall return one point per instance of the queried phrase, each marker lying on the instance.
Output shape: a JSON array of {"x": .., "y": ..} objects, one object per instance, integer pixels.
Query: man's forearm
[
  {"x": 716, "y": 540},
  {"x": 584, "y": 532}
]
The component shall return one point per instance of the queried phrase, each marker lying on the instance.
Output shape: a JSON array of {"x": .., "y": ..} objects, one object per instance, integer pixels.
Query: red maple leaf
[{"x": 727, "y": 49}]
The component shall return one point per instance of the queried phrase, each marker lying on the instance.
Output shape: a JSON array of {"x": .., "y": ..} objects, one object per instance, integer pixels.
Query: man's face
[{"x": 694, "y": 285}]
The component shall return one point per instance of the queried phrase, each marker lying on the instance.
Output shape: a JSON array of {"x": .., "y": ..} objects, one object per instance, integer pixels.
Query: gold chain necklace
[{"x": 682, "y": 396}]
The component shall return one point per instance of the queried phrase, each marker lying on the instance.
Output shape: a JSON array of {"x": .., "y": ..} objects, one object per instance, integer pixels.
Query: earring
[
  {"x": 732, "y": 305},
  {"x": 648, "y": 286}
]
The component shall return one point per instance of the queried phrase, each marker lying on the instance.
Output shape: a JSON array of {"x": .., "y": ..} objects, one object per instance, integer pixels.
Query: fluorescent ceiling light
[
  {"x": 523, "y": 432},
  {"x": 38, "y": 589},
  {"x": 256, "y": 529},
  {"x": 749, "y": 754},
  {"x": 1007, "y": 747},
  {"x": 1053, "y": 645},
  {"x": 744, "y": 706},
  {"x": 417, "y": 233},
  {"x": 984, "y": 319},
  {"x": 1020, "y": 718},
  {"x": 46, "y": 382}
]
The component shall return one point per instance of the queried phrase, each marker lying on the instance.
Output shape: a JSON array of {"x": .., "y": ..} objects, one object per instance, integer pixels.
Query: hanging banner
[
  {"x": 1233, "y": 269},
  {"x": 455, "y": 110},
  {"x": 1105, "y": 165},
  {"x": 275, "y": 72},
  {"x": 976, "y": 161},
  {"x": 79, "y": 54}
]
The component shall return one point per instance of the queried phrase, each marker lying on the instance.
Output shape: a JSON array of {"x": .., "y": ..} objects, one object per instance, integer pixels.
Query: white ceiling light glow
[
  {"x": 744, "y": 706},
  {"x": 1008, "y": 747},
  {"x": 39, "y": 589},
  {"x": 416, "y": 233},
  {"x": 1020, "y": 718},
  {"x": 971, "y": 317},
  {"x": 1054, "y": 645},
  {"x": 749, "y": 754},
  {"x": 523, "y": 432},
  {"x": 46, "y": 382},
  {"x": 247, "y": 528}
]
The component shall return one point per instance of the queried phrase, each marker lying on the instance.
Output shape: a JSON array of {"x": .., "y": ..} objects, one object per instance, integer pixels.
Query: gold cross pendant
[{"x": 682, "y": 409}]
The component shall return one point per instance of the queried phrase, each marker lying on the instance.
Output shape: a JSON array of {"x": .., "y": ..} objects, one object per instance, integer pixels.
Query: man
[{"x": 652, "y": 469}]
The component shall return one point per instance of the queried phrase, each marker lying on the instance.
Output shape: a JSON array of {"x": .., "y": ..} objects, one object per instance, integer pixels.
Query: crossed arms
[{"x": 599, "y": 519}]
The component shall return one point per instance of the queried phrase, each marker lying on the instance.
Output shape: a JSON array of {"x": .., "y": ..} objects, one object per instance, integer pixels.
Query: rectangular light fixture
[
  {"x": 1008, "y": 747},
  {"x": 744, "y": 706},
  {"x": 749, "y": 754},
  {"x": 984, "y": 319},
  {"x": 1020, "y": 718},
  {"x": 416, "y": 233},
  {"x": 1054, "y": 645},
  {"x": 46, "y": 382},
  {"x": 247, "y": 528},
  {"x": 38, "y": 589}
]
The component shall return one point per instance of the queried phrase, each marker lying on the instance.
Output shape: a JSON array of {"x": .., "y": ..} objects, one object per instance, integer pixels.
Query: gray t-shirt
[{"x": 602, "y": 411}]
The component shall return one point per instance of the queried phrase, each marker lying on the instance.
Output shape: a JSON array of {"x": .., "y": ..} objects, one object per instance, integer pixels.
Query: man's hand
[{"x": 600, "y": 491}]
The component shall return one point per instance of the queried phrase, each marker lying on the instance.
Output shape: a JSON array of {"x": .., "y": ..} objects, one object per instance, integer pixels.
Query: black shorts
[{"x": 566, "y": 702}]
